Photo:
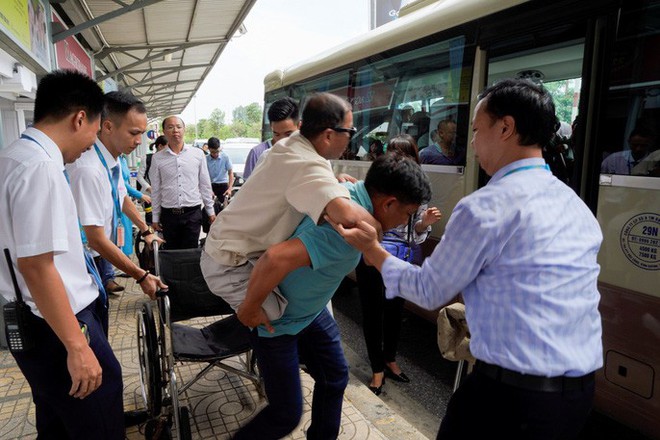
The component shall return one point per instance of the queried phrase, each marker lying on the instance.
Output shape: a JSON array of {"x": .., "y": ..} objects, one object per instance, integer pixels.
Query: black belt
[
  {"x": 179, "y": 211},
  {"x": 531, "y": 382}
]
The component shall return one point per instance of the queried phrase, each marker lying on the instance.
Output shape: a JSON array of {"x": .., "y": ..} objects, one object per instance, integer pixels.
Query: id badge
[{"x": 120, "y": 236}]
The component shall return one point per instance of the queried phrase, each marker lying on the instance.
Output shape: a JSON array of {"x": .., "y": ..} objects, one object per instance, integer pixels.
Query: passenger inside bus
[
  {"x": 640, "y": 142},
  {"x": 375, "y": 150},
  {"x": 444, "y": 151},
  {"x": 418, "y": 128}
]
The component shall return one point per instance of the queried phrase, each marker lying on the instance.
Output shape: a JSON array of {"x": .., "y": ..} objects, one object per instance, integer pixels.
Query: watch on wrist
[{"x": 149, "y": 231}]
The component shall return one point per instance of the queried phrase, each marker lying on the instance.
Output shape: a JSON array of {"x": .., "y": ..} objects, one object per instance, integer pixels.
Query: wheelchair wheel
[
  {"x": 149, "y": 358},
  {"x": 181, "y": 413}
]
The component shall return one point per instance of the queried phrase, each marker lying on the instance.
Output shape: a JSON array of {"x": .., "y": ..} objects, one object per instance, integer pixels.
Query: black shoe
[
  {"x": 377, "y": 390},
  {"x": 401, "y": 377},
  {"x": 135, "y": 417}
]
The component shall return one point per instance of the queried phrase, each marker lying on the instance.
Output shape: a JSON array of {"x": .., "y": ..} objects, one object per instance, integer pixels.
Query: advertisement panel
[
  {"x": 24, "y": 23},
  {"x": 69, "y": 53}
]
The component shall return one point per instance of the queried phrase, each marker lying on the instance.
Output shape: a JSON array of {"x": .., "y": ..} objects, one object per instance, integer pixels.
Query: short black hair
[
  {"x": 529, "y": 104},
  {"x": 118, "y": 104},
  {"x": 63, "y": 92},
  {"x": 642, "y": 131},
  {"x": 282, "y": 109},
  {"x": 398, "y": 176},
  {"x": 213, "y": 143},
  {"x": 323, "y": 111}
]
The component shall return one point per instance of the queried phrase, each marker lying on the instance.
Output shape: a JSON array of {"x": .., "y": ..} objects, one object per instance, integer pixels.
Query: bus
[{"x": 600, "y": 61}]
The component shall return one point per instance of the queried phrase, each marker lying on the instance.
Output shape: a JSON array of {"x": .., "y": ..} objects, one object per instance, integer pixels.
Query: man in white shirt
[
  {"x": 180, "y": 185},
  {"x": 99, "y": 190},
  {"x": 74, "y": 376}
]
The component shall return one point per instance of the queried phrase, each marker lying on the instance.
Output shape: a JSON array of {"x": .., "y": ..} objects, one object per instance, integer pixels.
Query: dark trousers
[
  {"x": 219, "y": 190},
  {"x": 60, "y": 416},
  {"x": 486, "y": 408},
  {"x": 181, "y": 231},
  {"x": 318, "y": 346},
  {"x": 381, "y": 317},
  {"x": 106, "y": 269}
]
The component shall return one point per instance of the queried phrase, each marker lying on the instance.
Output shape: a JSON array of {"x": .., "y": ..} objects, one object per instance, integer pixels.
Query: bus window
[
  {"x": 336, "y": 83},
  {"x": 412, "y": 92},
  {"x": 628, "y": 139}
]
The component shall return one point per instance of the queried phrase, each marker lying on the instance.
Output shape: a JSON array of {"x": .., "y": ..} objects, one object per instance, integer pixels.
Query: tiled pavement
[{"x": 219, "y": 402}]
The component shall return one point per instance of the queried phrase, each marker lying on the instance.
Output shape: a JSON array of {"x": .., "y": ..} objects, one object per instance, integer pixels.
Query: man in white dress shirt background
[
  {"x": 180, "y": 188},
  {"x": 101, "y": 195}
]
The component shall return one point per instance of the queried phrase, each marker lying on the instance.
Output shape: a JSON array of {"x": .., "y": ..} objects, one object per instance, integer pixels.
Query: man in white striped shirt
[
  {"x": 180, "y": 187},
  {"x": 522, "y": 250}
]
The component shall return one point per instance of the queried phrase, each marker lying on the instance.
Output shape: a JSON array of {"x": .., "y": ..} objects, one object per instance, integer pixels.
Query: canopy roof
[{"x": 159, "y": 50}]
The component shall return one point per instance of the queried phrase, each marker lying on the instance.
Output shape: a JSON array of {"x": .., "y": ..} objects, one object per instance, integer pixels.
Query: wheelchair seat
[{"x": 217, "y": 341}]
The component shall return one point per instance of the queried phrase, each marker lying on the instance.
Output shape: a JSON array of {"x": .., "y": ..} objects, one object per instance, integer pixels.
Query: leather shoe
[
  {"x": 377, "y": 390},
  {"x": 401, "y": 377},
  {"x": 113, "y": 287}
]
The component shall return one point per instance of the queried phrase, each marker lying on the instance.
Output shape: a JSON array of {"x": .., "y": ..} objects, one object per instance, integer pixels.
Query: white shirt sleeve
[{"x": 156, "y": 196}]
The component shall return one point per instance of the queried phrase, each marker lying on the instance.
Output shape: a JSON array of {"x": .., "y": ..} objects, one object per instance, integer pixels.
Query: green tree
[
  {"x": 248, "y": 114},
  {"x": 216, "y": 121},
  {"x": 562, "y": 93}
]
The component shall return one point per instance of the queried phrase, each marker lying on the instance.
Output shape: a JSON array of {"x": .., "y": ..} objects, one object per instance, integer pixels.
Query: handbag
[{"x": 406, "y": 250}]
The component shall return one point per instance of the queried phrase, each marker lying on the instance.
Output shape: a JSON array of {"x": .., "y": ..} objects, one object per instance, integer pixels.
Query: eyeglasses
[{"x": 351, "y": 131}]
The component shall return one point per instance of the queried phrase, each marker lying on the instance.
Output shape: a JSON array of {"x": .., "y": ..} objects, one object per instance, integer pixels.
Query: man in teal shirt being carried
[{"x": 308, "y": 269}]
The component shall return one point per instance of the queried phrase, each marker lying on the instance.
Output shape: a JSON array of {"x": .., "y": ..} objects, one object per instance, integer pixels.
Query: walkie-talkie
[{"x": 17, "y": 318}]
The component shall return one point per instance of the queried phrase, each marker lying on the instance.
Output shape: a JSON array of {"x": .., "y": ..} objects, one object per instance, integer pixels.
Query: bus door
[
  {"x": 627, "y": 195},
  {"x": 604, "y": 75}
]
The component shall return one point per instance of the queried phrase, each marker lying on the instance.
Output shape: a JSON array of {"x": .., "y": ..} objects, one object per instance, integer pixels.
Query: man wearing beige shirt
[{"x": 295, "y": 180}]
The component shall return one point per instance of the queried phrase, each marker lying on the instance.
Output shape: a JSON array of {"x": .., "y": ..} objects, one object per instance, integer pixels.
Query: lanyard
[
  {"x": 89, "y": 261},
  {"x": 29, "y": 138},
  {"x": 115, "y": 191},
  {"x": 528, "y": 167}
]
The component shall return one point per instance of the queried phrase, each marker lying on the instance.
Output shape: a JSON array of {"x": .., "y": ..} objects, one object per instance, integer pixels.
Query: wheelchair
[{"x": 162, "y": 342}]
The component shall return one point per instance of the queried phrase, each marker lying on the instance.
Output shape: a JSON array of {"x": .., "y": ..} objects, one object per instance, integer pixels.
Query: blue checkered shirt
[{"x": 522, "y": 250}]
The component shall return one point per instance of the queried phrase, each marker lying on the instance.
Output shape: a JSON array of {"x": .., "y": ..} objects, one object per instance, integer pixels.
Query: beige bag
[{"x": 453, "y": 333}]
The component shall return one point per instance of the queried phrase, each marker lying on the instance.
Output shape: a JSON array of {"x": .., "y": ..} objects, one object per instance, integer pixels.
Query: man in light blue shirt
[
  {"x": 308, "y": 268},
  {"x": 522, "y": 250},
  {"x": 623, "y": 162},
  {"x": 220, "y": 169}
]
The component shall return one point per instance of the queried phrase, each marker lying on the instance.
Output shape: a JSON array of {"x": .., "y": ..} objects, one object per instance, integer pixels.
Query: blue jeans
[{"x": 318, "y": 346}]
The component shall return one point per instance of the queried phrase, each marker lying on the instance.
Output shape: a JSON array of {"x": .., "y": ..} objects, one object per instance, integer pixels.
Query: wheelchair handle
[{"x": 161, "y": 293}]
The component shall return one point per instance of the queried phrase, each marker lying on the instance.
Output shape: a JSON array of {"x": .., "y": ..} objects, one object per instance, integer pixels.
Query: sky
[{"x": 280, "y": 33}]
